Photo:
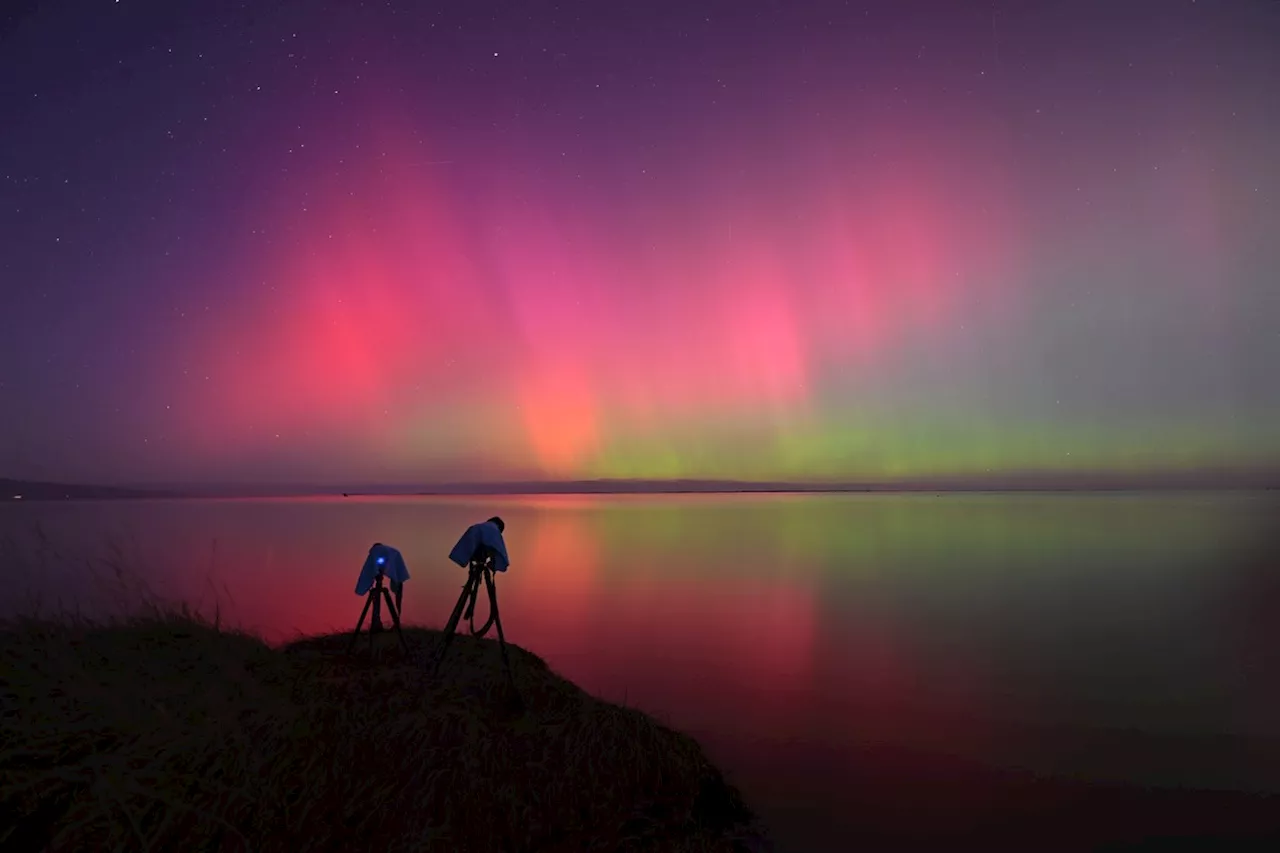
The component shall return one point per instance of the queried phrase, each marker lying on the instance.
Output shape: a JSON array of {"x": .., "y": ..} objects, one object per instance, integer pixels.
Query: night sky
[{"x": 415, "y": 241}]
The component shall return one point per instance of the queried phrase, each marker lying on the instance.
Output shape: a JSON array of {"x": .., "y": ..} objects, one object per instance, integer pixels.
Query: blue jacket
[
  {"x": 392, "y": 566},
  {"x": 484, "y": 533}
]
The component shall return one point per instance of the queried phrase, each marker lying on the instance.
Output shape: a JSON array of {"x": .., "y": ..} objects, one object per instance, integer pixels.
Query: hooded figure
[{"x": 486, "y": 534}]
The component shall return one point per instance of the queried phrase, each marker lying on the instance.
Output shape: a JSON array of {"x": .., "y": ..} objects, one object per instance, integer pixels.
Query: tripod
[
  {"x": 376, "y": 595},
  {"x": 481, "y": 566}
]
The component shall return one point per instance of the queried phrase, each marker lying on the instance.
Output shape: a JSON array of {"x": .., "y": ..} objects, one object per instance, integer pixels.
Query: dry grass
[{"x": 164, "y": 731}]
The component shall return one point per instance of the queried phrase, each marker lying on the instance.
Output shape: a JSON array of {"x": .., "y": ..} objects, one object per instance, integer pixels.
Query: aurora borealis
[{"x": 399, "y": 242}]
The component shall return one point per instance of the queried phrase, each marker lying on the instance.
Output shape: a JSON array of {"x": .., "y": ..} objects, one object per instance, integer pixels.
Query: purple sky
[{"x": 405, "y": 242}]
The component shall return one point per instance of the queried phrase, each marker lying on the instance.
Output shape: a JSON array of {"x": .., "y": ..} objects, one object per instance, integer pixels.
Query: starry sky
[{"x": 407, "y": 242}]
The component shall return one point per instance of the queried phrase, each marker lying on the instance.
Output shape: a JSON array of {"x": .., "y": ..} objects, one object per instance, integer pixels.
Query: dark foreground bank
[{"x": 167, "y": 733}]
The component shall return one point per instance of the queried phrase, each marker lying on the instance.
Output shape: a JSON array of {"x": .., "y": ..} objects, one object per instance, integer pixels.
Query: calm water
[{"x": 1028, "y": 631}]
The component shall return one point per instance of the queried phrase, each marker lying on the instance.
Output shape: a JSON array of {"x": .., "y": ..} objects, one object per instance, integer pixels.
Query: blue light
[{"x": 382, "y": 560}]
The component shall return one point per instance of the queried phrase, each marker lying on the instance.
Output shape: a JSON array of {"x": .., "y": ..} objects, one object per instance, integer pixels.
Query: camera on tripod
[
  {"x": 483, "y": 552},
  {"x": 382, "y": 562}
]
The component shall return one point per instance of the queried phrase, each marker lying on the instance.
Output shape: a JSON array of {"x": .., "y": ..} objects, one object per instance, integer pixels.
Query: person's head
[{"x": 501, "y": 527}]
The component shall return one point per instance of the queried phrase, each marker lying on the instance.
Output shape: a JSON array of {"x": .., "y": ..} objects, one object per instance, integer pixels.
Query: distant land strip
[{"x": 18, "y": 490}]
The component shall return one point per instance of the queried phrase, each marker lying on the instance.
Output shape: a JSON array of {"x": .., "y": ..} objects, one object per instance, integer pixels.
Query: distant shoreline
[{"x": 13, "y": 491}]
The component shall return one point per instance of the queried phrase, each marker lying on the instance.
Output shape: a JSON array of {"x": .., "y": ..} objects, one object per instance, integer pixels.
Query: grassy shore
[{"x": 166, "y": 732}]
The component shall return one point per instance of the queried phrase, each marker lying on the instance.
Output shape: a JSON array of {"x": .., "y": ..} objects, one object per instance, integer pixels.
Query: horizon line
[{"x": 1265, "y": 480}]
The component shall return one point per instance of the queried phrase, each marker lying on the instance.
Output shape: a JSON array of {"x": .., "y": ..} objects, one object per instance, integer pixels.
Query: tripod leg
[
  {"x": 452, "y": 625},
  {"x": 502, "y": 639},
  {"x": 471, "y": 604},
  {"x": 351, "y": 647},
  {"x": 395, "y": 620},
  {"x": 375, "y": 622}
]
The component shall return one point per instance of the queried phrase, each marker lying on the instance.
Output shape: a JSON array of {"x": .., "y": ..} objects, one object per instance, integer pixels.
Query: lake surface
[{"x": 813, "y": 643}]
